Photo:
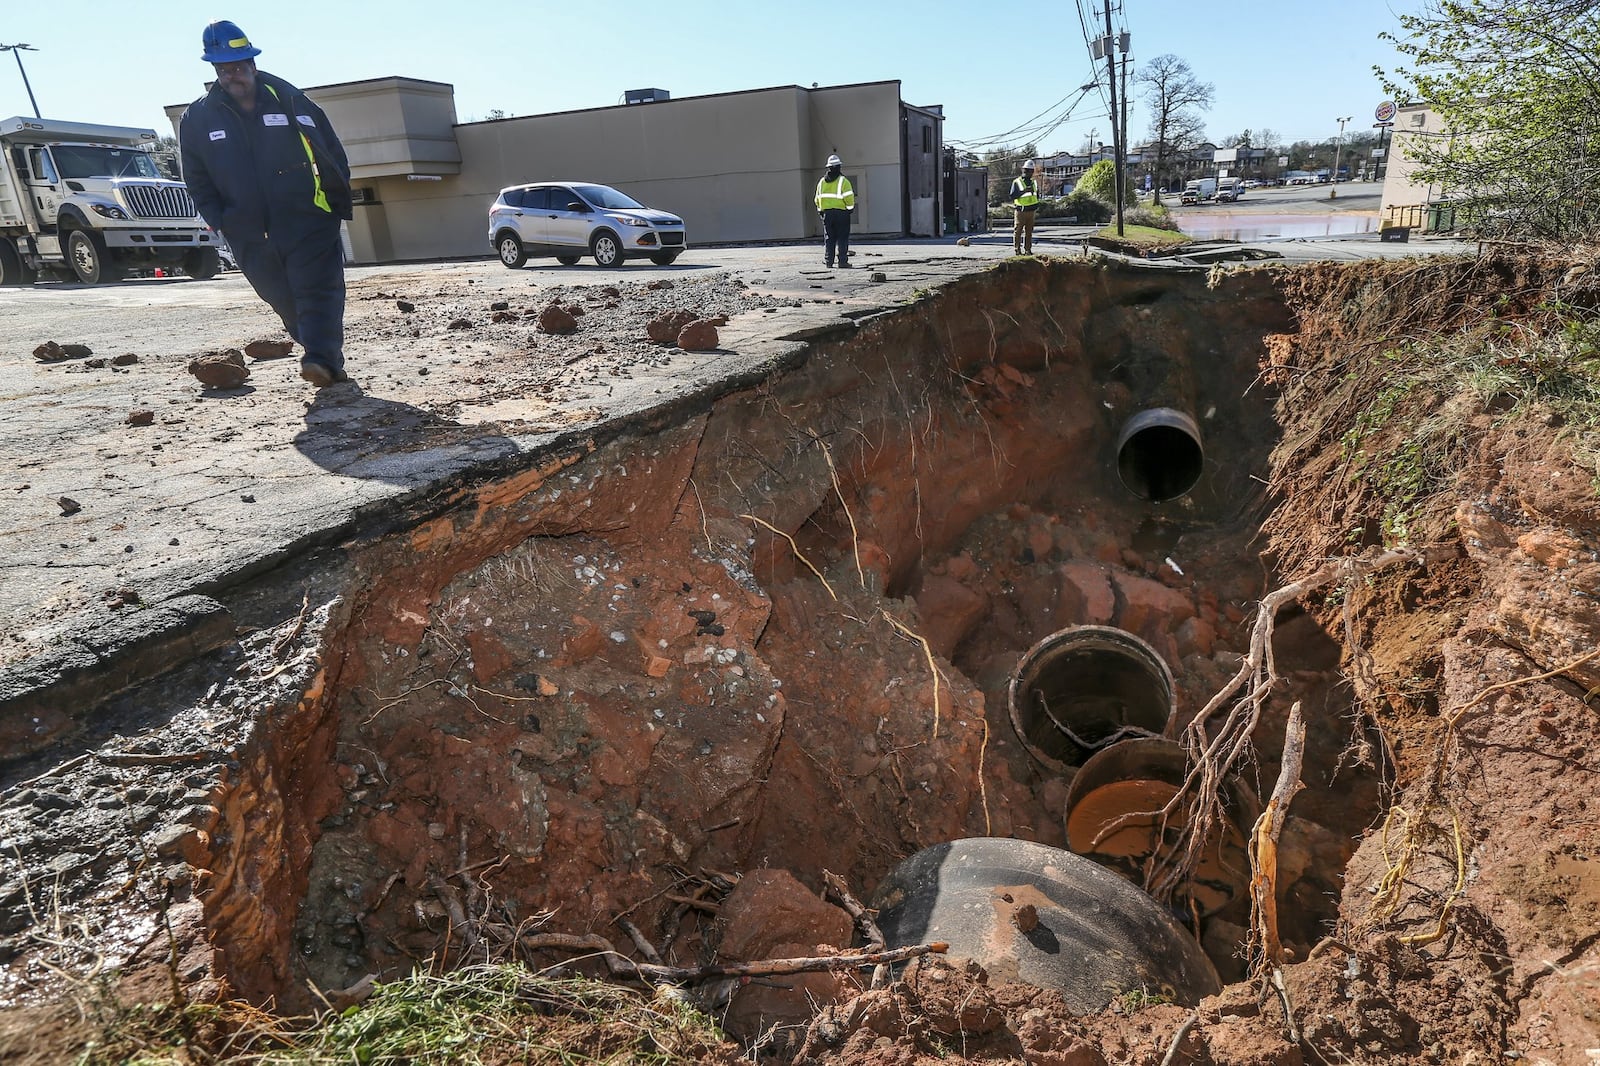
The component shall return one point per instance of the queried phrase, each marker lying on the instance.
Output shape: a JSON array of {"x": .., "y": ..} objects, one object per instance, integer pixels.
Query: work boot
[{"x": 320, "y": 375}]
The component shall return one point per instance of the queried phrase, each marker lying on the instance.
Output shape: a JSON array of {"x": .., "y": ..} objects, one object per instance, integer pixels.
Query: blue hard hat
[{"x": 225, "y": 42}]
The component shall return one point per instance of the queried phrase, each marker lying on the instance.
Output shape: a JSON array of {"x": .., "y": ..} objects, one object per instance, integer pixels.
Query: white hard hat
[
  {"x": 1027, "y": 164},
  {"x": 835, "y": 161}
]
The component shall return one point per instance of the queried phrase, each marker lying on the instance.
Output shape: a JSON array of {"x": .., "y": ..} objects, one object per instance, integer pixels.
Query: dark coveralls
[{"x": 251, "y": 178}]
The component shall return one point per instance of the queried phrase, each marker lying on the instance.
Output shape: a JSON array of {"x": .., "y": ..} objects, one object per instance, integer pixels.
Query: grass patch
[
  {"x": 476, "y": 1016},
  {"x": 1145, "y": 238},
  {"x": 1415, "y": 432}
]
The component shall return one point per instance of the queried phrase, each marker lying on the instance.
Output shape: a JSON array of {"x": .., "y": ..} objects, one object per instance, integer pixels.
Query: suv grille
[
  {"x": 159, "y": 201},
  {"x": 671, "y": 238}
]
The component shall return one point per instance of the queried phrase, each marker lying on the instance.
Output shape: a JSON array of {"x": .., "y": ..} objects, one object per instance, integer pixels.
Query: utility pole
[
  {"x": 1333, "y": 179},
  {"x": 1107, "y": 44},
  {"x": 1125, "y": 146},
  {"x": 17, "y": 50}
]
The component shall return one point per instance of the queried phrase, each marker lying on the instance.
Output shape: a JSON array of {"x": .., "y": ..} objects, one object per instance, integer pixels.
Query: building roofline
[{"x": 703, "y": 96}]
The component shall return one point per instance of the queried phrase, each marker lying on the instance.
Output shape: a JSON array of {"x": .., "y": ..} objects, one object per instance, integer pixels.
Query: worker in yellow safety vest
[
  {"x": 1025, "y": 202},
  {"x": 835, "y": 200}
]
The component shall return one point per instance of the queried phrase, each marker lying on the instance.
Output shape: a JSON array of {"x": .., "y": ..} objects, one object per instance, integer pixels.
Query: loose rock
[
  {"x": 220, "y": 370},
  {"x": 698, "y": 336},
  {"x": 556, "y": 319},
  {"x": 664, "y": 328},
  {"x": 141, "y": 417},
  {"x": 268, "y": 349}
]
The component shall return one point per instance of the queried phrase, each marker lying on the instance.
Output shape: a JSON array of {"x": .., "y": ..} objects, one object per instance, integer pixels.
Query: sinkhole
[{"x": 901, "y": 594}]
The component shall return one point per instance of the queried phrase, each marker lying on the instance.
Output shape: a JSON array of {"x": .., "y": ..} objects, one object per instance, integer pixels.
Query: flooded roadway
[{"x": 1299, "y": 213}]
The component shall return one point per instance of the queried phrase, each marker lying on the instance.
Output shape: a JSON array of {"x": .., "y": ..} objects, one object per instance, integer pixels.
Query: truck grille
[{"x": 159, "y": 201}]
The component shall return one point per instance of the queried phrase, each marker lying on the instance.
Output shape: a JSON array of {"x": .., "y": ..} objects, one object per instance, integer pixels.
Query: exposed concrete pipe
[
  {"x": 1109, "y": 819},
  {"x": 1091, "y": 681},
  {"x": 1159, "y": 456},
  {"x": 1044, "y": 917}
]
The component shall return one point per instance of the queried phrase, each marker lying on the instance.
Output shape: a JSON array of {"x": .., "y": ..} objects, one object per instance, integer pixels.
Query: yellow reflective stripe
[
  {"x": 241, "y": 42},
  {"x": 319, "y": 198}
]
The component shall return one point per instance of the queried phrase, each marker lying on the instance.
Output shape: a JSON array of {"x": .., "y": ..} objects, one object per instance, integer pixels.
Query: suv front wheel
[
  {"x": 606, "y": 250},
  {"x": 512, "y": 253}
]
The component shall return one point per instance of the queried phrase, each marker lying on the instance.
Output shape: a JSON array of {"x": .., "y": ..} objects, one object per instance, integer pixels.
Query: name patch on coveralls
[{"x": 275, "y": 120}]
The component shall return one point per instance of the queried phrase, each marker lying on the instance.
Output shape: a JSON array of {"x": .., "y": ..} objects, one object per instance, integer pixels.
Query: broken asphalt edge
[{"x": 179, "y": 619}]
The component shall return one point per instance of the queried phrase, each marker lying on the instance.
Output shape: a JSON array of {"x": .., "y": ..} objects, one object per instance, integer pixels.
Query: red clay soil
[{"x": 678, "y": 674}]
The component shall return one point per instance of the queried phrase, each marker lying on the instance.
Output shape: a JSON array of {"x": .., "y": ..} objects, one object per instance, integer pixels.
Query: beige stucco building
[
  {"x": 1409, "y": 202},
  {"x": 738, "y": 167}
]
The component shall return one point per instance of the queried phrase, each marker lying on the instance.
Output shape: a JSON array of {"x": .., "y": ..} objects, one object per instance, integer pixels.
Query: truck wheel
[
  {"x": 202, "y": 263},
  {"x": 86, "y": 251},
  {"x": 13, "y": 271}
]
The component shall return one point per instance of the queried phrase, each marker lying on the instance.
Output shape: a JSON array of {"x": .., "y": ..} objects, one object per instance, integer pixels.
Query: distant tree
[
  {"x": 1176, "y": 99},
  {"x": 1516, "y": 84},
  {"x": 1100, "y": 181},
  {"x": 495, "y": 112},
  {"x": 1237, "y": 140}
]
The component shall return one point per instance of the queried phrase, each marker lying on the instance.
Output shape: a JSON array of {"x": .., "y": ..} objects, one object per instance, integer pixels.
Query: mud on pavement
[{"x": 680, "y": 668}]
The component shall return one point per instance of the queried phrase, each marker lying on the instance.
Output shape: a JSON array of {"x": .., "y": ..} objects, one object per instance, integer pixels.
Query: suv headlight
[
  {"x": 109, "y": 211},
  {"x": 633, "y": 220}
]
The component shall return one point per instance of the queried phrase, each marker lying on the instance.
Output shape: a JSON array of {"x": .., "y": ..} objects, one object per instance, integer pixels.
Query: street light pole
[
  {"x": 1333, "y": 183},
  {"x": 17, "y": 50}
]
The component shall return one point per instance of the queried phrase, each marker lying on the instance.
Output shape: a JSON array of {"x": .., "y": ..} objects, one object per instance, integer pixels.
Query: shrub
[
  {"x": 1154, "y": 216},
  {"x": 1100, "y": 181}
]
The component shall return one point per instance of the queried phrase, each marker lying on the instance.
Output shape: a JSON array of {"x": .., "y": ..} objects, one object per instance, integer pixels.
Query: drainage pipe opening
[
  {"x": 1081, "y": 688},
  {"x": 1159, "y": 457}
]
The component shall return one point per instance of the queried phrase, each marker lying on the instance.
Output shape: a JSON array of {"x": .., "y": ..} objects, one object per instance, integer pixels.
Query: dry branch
[
  {"x": 866, "y": 921},
  {"x": 1264, "y": 846},
  {"x": 622, "y": 966},
  {"x": 1214, "y": 757}
]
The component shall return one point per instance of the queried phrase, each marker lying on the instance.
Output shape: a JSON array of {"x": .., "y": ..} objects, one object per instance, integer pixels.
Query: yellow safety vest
[
  {"x": 319, "y": 198},
  {"x": 835, "y": 195},
  {"x": 1027, "y": 197}
]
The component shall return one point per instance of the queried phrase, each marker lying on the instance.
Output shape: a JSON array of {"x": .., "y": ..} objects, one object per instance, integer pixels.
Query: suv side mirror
[{"x": 577, "y": 205}]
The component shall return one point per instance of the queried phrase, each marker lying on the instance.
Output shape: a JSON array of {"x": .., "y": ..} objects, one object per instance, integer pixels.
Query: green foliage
[
  {"x": 1100, "y": 181},
  {"x": 1136, "y": 999},
  {"x": 1088, "y": 210},
  {"x": 1517, "y": 86},
  {"x": 476, "y": 1015},
  {"x": 1151, "y": 216}
]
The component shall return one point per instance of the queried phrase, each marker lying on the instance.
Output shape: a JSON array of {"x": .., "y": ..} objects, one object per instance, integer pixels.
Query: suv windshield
[
  {"x": 607, "y": 199},
  {"x": 93, "y": 161}
]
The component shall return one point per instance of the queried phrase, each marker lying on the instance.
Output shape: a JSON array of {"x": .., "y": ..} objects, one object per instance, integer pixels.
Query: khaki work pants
[{"x": 1022, "y": 231}]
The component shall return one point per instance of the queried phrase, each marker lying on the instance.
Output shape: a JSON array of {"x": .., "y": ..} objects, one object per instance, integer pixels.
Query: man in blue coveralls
[{"x": 266, "y": 169}]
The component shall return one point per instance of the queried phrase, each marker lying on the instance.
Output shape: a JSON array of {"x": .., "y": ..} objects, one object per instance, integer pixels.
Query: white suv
[{"x": 567, "y": 219}]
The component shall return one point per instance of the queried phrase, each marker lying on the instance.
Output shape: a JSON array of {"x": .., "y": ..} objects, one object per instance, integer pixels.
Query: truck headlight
[{"x": 109, "y": 211}]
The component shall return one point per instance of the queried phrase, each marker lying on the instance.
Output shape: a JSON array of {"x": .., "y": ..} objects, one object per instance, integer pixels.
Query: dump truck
[{"x": 87, "y": 202}]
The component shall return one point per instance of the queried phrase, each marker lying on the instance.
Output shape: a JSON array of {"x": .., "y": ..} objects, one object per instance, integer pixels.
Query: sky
[{"x": 1291, "y": 66}]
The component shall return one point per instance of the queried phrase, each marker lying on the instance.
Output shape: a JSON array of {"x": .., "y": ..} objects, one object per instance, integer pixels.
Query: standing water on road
[{"x": 1233, "y": 226}]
